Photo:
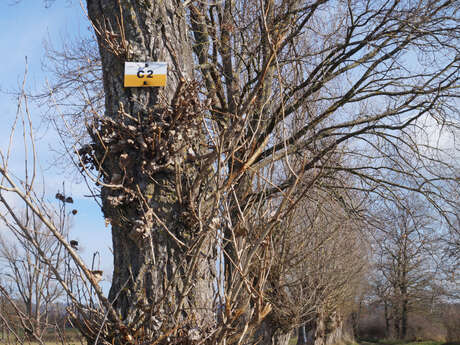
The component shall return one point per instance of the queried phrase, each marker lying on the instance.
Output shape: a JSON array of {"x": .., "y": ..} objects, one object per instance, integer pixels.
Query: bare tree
[
  {"x": 32, "y": 280},
  {"x": 408, "y": 255},
  {"x": 42, "y": 227},
  {"x": 260, "y": 99},
  {"x": 332, "y": 272}
]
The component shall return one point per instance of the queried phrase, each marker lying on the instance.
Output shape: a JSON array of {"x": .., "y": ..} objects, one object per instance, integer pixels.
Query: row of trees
[
  {"x": 241, "y": 196},
  {"x": 412, "y": 275},
  {"x": 331, "y": 269}
]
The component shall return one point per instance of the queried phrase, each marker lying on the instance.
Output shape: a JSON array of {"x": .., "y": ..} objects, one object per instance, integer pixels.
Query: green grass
[
  {"x": 293, "y": 341},
  {"x": 403, "y": 342},
  {"x": 72, "y": 336},
  {"x": 70, "y": 342},
  {"x": 46, "y": 342}
]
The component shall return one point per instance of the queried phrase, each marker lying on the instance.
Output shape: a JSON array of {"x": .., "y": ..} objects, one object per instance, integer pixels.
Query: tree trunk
[
  {"x": 327, "y": 329},
  {"x": 302, "y": 336},
  {"x": 387, "y": 319},
  {"x": 268, "y": 334},
  {"x": 152, "y": 229},
  {"x": 335, "y": 332},
  {"x": 404, "y": 296},
  {"x": 397, "y": 323},
  {"x": 404, "y": 316}
]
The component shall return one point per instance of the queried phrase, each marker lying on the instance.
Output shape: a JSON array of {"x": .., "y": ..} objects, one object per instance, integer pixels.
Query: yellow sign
[{"x": 145, "y": 74}]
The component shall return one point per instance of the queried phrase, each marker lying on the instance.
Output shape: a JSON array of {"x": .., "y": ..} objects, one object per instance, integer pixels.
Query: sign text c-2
[{"x": 145, "y": 74}]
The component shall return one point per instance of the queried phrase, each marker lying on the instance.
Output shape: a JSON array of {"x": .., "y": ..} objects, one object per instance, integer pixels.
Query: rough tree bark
[
  {"x": 268, "y": 333},
  {"x": 151, "y": 223},
  {"x": 302, "y": 336},
  {"x": 325, "y": 329}
]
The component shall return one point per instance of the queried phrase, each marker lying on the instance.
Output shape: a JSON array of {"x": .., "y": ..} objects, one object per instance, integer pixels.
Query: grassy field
[
  {"x": 401, "y": 342},
  {"x": 47, "y": 343},
  {"x": 71, "y": 335},
  {"x": 293, "y": 341}
]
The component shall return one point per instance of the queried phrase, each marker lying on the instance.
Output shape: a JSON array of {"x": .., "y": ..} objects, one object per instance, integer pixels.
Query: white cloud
[{"x": 439, "y": 140}]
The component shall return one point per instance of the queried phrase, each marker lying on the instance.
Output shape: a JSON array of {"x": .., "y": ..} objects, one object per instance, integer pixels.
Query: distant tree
[
  {"x": 407, "y": 265},
  {"x": 451, "y": 320},
  {"x": 34, "y": 289}
]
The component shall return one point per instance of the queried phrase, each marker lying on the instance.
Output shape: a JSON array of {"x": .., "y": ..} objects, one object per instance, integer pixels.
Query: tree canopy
[{"x": 273, "y": 111}]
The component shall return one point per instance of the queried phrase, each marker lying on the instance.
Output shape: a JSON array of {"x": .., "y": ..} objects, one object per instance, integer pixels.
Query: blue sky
[{"x": 23, "y": 29}]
